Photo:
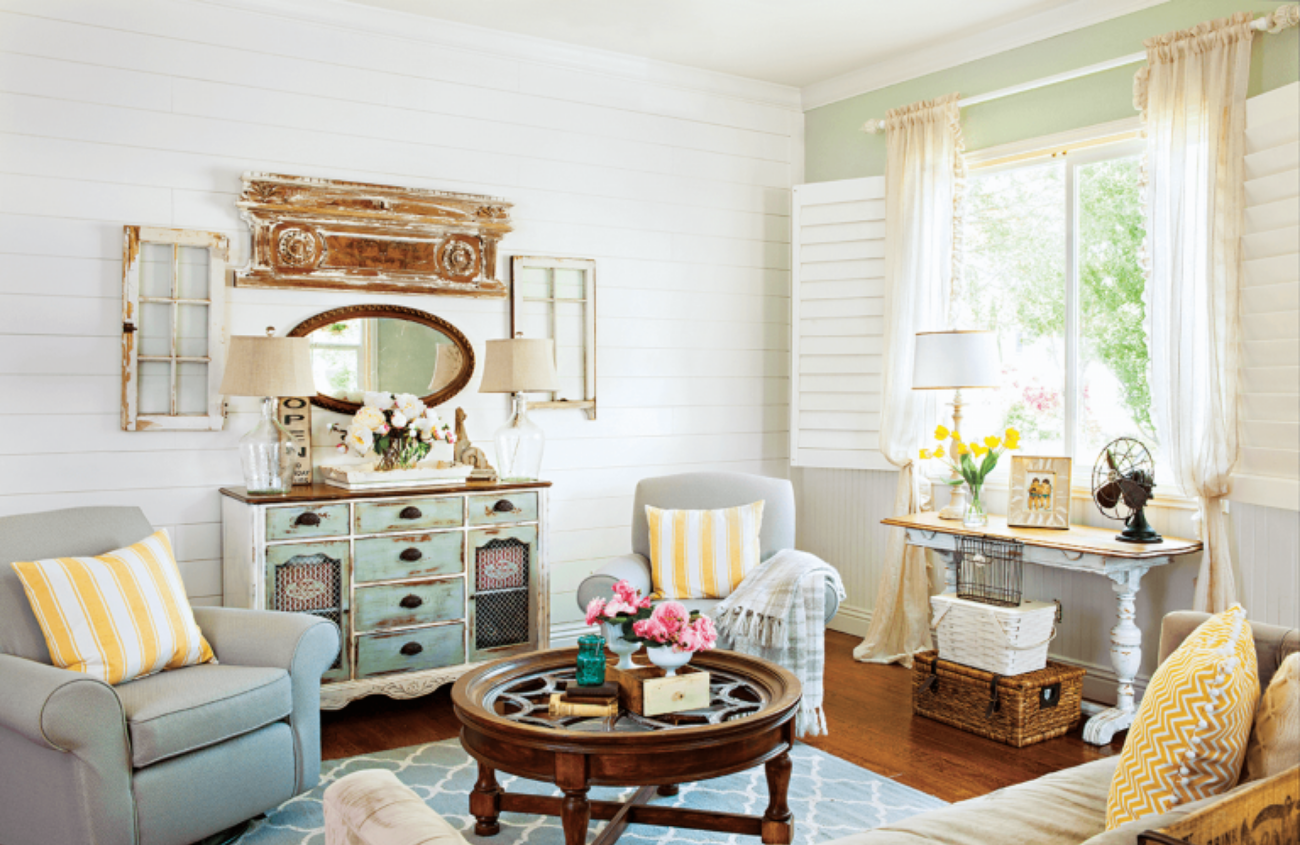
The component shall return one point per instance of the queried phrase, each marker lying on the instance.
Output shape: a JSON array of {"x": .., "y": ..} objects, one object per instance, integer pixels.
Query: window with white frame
[{"x": 1052, "y": 263}]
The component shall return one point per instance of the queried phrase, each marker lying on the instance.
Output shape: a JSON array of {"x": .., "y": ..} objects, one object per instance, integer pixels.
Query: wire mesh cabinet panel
[
  {"x": 312, "y": 578},
  {"x": 504, "y": 588}
]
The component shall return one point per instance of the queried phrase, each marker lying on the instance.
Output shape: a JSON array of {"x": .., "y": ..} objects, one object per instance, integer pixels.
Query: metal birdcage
[{"x": 990, "y": 571}]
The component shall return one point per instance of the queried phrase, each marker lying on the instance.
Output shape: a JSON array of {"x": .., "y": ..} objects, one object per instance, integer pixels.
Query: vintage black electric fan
[{"x": 1123, "y": 481}]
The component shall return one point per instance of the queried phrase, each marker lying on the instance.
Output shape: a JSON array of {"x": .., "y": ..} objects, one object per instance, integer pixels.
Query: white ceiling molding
[
  {"x": 451, "y": 35},
  {"x": 969, "y": 48}
]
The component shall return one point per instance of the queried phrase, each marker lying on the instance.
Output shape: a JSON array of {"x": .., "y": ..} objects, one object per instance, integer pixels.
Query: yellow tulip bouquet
[{"x": 973, "y": 461}]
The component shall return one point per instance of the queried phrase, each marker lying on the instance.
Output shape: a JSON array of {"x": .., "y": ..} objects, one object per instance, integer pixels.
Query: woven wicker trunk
[{"x": 1026, "y": 708}]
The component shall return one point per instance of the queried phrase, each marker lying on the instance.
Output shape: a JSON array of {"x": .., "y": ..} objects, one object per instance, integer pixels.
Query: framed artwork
[{"x": 1040, "y": 492}]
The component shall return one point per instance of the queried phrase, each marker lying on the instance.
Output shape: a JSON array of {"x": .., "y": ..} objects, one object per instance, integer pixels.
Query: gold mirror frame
[{"x": 397, "y": 312}]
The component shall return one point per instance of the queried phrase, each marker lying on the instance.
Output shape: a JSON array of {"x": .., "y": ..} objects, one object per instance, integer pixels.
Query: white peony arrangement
[{"x": 396, "y": 427}]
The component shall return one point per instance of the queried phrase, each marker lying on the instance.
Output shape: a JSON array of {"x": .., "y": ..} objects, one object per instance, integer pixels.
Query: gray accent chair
[
  {"x": 700, "y": 491},
  {"x": 164, "y": 760}
]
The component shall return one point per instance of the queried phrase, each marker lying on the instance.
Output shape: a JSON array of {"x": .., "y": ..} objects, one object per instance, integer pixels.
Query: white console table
[{"x": 1080, "y": 548}]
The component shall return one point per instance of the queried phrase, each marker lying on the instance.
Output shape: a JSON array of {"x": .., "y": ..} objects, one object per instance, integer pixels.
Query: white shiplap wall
[{"x": 147, "y": 111}]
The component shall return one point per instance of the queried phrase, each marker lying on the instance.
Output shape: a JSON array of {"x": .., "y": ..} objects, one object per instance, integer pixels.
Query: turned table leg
[
  {"x": 485, "y": 802},
  {"x": 575, "y": 815},
  {"x": 778, "y": 821},
  {"x": 1125, "y": 656}
]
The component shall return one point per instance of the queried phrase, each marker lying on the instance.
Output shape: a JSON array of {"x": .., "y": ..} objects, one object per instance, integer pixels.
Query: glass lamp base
[
  {"x": 266, "y": 453},
  {"x": 519, "y": 445}
]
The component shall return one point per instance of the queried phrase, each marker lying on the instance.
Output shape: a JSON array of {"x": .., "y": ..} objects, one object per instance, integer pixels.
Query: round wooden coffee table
[{"x": 502, "y": 707}]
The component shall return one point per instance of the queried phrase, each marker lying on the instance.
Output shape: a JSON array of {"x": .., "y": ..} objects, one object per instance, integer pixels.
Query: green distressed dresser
[{"x": 424, "y": 584}]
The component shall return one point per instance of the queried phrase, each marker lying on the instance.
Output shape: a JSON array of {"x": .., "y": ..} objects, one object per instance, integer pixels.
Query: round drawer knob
[
  {"x": 411, "y": 555},
  {"x": 307, "y": 519},
  {"x": 412, "y": 648},
  {"x": 410, "y": 512},
  {"x": 411, "y": 602}
]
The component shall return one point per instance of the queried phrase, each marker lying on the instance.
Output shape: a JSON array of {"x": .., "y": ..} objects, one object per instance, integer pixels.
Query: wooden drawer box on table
[{"x": 1019, "y": 710}]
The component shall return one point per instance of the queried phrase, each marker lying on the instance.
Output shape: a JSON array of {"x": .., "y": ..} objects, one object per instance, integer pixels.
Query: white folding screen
[
  {"x": 837, "y": 324},
  {"x": 1269, "y": 472}
]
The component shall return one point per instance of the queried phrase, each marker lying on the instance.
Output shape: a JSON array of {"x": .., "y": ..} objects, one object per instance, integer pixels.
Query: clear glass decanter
[
  {"x": 519, "y": 445},
  {"x": 267, "y": 454}
]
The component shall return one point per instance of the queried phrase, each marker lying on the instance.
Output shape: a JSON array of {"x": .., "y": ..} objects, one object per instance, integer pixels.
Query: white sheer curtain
[
  {"x": 922, "y": 188},
  {"x": 1193, "y": 98}
]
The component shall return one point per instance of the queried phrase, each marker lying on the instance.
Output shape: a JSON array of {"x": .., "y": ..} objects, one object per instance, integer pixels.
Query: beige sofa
[{"x": 373, "y": 808}]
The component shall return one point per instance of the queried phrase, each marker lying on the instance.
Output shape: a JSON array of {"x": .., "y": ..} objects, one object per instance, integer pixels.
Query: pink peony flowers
[
  {"x": 671, "y": 624},
  {"x": 626, "y": 602}
]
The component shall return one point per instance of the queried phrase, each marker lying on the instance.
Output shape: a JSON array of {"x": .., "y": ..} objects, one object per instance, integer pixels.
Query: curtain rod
[{"x": 1285, "y": 17}]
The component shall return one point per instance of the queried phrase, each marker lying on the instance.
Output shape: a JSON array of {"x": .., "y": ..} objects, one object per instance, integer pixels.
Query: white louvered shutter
[
  {"x": 1269, "y": 471},
  {"x": 837, "y": 324}
]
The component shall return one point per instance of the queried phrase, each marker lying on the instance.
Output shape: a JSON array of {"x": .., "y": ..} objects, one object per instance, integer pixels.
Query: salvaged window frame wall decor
[
  {"x": 328, "y": 234},
  {"x": 173, "y": 329},
  {"x": 548, "y": 301}
]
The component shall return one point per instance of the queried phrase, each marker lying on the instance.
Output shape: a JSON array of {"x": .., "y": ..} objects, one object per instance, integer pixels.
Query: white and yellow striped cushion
[
  {"x": 703, "y": 554},
  {"x": 117, "y": 616},
  {"x": 1188, "y": 739}
]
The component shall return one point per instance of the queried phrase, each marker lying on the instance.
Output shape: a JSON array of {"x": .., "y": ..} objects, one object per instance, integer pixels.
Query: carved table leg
[
  {"x": 1125, "y": 656},
  {"x": 575, "y": 815},
  {"x": 778, "y": 821},
  {"x": 485, "y": 802},
  {"x": 949, "y": 571}
]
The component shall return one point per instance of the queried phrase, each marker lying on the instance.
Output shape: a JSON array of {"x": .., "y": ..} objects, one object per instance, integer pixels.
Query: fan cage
[{"x": 990, "y": 571}]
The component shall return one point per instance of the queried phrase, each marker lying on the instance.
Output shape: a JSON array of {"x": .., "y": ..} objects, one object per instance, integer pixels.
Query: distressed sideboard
[{"x": 424, "y": 584}]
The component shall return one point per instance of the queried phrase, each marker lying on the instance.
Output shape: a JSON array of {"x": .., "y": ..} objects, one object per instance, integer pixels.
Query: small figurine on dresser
[
  {"x": 469, "y": 454},
  {"x": 394, "y": 441}
]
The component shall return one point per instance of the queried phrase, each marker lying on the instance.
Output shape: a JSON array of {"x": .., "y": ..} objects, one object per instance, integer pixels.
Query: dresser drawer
[
  {"x": 306, "y": 521},
  {"x": 405, "y": 605},
  {"x": 405, "y": 556},
  {"x": 410, "y": 651},
  {"x": 408, "y": 515},
  {"x": 503, "y": 509}
]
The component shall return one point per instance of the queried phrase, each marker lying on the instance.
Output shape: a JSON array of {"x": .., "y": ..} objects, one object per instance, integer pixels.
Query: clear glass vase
[
  {"x": 519, "y": 445},
  {"x": 403, "y": 453},
  {"x": 975, "y": 516},
  {"x": 267, "y": 453}
]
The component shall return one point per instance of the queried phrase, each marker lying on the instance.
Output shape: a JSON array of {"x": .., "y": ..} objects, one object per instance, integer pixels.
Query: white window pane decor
[
  {"x": 173, "y": 340},
  {"x": 556, "y": 298}
]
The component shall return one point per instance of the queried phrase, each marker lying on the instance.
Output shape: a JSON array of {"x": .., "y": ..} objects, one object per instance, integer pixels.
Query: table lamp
[
  {"x": 515, "y": 366},
  {"x": 269, "y": 367},
  {"x": 956, "y": 360}
]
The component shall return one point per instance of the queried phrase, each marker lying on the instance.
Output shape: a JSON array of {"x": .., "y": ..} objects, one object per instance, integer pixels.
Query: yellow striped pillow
[
  {"x": 703, "y": 554},
  {"x": 116, "y": 616},
  {"x": 1188, "y": 739}
]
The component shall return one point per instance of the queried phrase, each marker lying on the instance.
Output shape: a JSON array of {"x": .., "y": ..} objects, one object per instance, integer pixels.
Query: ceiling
[{"x": 791, "y": 42}]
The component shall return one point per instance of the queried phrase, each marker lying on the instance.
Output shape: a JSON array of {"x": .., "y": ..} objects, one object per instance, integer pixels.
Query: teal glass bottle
[{"x": 591, "y": 660}]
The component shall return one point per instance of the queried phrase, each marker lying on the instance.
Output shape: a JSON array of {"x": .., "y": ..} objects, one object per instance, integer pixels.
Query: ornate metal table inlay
[{"x": 526, "y": 700}]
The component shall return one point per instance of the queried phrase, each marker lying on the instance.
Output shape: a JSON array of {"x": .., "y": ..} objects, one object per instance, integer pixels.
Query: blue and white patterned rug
[{"x": 830, "y": 798}]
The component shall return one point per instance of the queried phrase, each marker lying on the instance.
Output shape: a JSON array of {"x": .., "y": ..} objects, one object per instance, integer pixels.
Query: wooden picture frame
[
  {"x": 1040, "y": 492},
  {"x": 173, "y": 329},
  {"x": 556, "y": 298}
]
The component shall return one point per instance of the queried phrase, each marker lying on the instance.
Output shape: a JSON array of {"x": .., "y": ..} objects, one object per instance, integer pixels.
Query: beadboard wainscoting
[
  {"x": 147, "y": 111},
  {"x": 839, "y": 520}
]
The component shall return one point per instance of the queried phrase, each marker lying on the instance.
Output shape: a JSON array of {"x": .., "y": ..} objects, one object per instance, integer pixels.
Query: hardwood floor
[{"x": 868, "y": 707}]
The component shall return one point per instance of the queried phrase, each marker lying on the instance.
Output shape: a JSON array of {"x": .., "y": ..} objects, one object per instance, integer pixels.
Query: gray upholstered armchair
[
  {"x": 164, "y": 760},
  {"x": 700, "y": 491}
]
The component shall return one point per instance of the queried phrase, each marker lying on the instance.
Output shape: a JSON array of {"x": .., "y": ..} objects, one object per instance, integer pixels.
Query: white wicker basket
[{"x": 1002, "y": 640}]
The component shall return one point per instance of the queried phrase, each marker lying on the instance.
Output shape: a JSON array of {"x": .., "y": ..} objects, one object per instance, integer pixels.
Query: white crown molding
[
  {"x": 453, "y": 35},
  {"x": 968, "y": 48}
]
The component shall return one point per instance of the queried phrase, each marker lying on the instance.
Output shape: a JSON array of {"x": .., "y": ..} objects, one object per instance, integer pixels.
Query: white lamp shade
[
  {"x": 957, "y": 359},
  {"x": 519, "y": 365},
  {"x": 268, "y": 366}
]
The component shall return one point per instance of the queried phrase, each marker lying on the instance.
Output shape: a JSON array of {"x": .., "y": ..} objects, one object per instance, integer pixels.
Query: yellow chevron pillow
[
  {"x": 116, "y": 616},
  {"x": 703, "y": 554},
  {"x": 1188, "y": 739}
]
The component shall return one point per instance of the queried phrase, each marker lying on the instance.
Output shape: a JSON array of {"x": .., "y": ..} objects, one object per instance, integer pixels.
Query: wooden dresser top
[{"x": 318, "y": 492}]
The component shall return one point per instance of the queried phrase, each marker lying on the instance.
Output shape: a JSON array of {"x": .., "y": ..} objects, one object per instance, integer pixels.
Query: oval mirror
[{"x": 365, "y": 348}]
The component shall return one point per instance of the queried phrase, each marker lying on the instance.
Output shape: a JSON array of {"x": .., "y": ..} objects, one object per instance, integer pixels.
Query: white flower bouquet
[{"x": 399, "y": 429}]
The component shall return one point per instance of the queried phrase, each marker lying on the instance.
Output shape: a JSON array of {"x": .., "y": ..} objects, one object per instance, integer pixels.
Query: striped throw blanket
[{"x": 779, "y": 613}]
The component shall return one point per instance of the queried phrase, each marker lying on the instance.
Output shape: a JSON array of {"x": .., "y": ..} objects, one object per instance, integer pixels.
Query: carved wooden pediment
[{"x": 323, "y": 233}]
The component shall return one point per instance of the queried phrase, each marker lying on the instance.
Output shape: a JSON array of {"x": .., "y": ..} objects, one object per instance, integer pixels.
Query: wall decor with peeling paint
[{"x": 328, "y": 234}]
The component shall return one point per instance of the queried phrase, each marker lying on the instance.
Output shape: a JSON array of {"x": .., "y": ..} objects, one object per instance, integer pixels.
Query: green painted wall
[{"x": 837, "y": 149}]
